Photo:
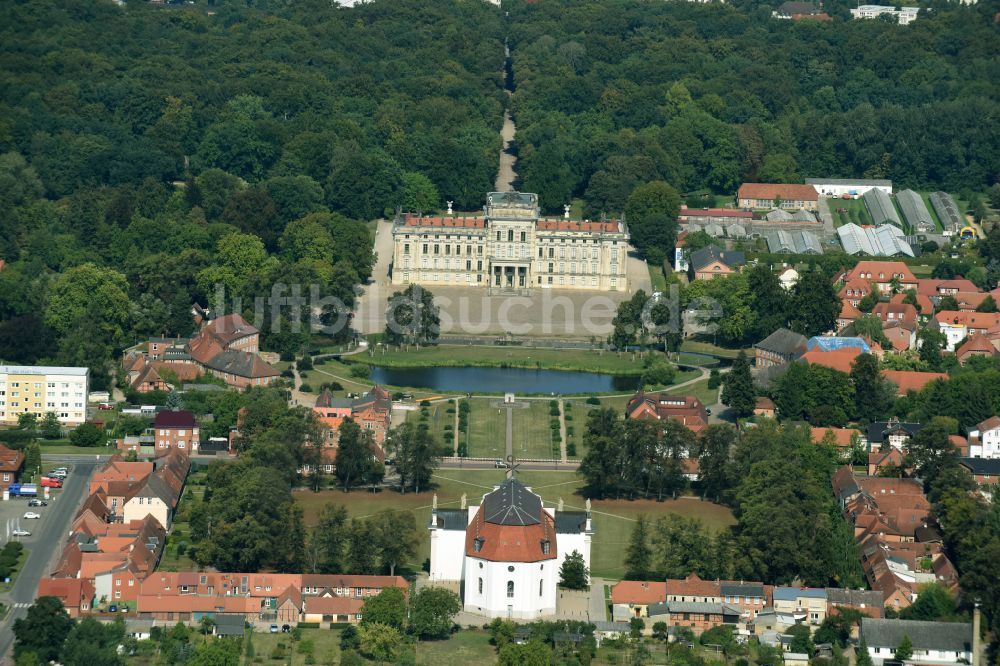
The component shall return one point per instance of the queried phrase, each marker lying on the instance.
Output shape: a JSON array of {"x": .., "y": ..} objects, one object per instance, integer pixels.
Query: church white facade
[{"x": 506, "y": 553}]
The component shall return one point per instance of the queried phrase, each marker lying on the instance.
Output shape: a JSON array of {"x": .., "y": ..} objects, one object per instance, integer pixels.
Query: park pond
[{"x": 504, "y": 380}]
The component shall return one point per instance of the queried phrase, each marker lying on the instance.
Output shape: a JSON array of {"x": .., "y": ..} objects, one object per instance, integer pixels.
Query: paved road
[
  {"x": 506, "y": 173},
  {"x": 598, "y": 608},
  {"x": 43, "y": 545},
  {"x": 553, "y": 466}
]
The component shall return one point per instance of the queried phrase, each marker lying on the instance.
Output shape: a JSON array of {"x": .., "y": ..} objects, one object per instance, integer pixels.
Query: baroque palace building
[{"x": 511, "y": 247}]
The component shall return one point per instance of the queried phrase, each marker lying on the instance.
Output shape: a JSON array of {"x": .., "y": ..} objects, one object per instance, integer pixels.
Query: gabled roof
[
  {"x": 175, "y": 419},
  {"x": 976, "y": 344},
  {"x": 241, "y": 364},
  {"x": 229, "y": 328},
  {"x": 706, "y": 255},
  {"x": 692, "y": 586},
  {"x": 639, "y": 592},
  {"x": 772, "y": 191},
  {"x": 991, "y": 423},
  {"x": 784, "y": 342},
  {"x": 982, "y": 466},
  {"x": 912, "y": 380},
  {"x": 943, "y": 636},
  {"x": 10, "y": 460},
  {"x": 837, "y": 359}
]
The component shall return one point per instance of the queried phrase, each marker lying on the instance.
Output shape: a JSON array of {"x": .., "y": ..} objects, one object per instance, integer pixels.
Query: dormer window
[
  {"x": 477, "y": 544},
  {"x": 546, "y": 546}
]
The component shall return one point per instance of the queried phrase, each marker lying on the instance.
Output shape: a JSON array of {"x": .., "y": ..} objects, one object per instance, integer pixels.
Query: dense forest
[
  {"x": 148, "y": 153},
  {"x": 613, "y": 94}
]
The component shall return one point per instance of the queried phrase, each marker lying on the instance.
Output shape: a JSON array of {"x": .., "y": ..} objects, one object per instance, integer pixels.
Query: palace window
[
  {"x": 480, "y": 586},
  {"x": 499, "y": 237},
  {"x": 425, "y": 248},
  {"x": 510, "y": 589},
  {"x": 524, "y": 236},
  {"x": 406, "y": 248},
  {"x": 551, "y": 252},
  {"x": 510, "y": 235}
]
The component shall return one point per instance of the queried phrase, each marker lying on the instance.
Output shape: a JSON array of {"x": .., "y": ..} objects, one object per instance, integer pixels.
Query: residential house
[
  {"x": 782, "y": 346},
  {"x": 868, "y": 602},
  {"x": 957, "y": 325},
  {"x": 893, "y": 433},
  {"x": 892, "y": 312},
  {"x": 686, "y": 409},
  {"x": 924, "y": 304},
  {"x": 842, "y": 438},
  {"x": 76, "y": 595},
  {"x": 849, "y": 313},
  {"x": 853, "y": 291},
  {"x": 698, "y": 616},
  {"x": 782, "y": 195},
  {"x": 937, "y": 287},
  {"x": 912, "y": 380},
  {"x": 883, "y": 460},
  {"x": 632, "y": 598},
  {"x": 885, "y": 274},
  {"x": 765, "y": 407},
  {"x": 801, "y": 604},
  {"x": 712, "y": 261},
  {"x": 984, "y": 439},
  {"x": 984, "y": 471},
  {"x": 11, "y": 465},
  {"x": 938, "y": 643},
  {"x": 976, "y": 344},
  {"x": 788, "y": 278},
  {"x": 693, "y": 588},
  {"x": 176, "y": 430},
  {"x": 902, "y": 336}
]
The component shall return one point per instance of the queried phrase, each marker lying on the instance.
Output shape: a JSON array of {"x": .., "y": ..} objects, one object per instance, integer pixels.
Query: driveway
[{"x": 44, "y": 544}]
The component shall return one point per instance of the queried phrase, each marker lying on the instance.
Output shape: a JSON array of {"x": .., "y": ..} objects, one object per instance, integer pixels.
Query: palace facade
[{"x": 511, "y": 247}]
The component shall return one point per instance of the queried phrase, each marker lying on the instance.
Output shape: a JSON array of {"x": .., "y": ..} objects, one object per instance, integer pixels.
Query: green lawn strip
[
  {"x": 7, "y": 587},
  {"x": 707, "y": 396},
  {"x": 613, "y": 519},
  {"x": 533, "y": 436},
  {"x": 700, "y": 361},
  {"x": 487, "y": 429},
  {"x": 325, "y": 648},
  {"x": 469, "y": 646},
  {"x": 67, "y": 449},
  {"x": 926, "y": 196},
  {"x": 516, "y": 357},
  {"x": 657, "y": 278}
]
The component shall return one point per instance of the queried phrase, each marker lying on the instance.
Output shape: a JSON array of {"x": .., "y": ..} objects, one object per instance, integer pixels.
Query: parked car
[
  {"x": 58, "y": 474},
  {"x": 105, "y": 406},
  {"x": 274, "y": 628},
  {"x": 48, "y": 482},
  {"x": 21, "y": 533},
  {"x": 31, "y": 515},
  {"x": 499, "y": 464},
  {"x": 112, "y": 608},
  {"x": 37, "y": 502}
]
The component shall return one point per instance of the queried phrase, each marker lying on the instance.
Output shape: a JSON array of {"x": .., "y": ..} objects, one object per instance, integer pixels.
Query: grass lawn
[
  {"x": 325, "y": 648},
  {"x": 438, "y": 417},
  {"x": 68, "y": 449},
  {"x": 700, "y": 361},
  {"x": 487, "y": 429},
  {"x": 613, "y": 519},
  {"x": 658, "y": 279},
  {"x": 7, "y": 587},
  {"x": 532, "y": 435},
  {"x": 707, "y": 396},
  {"x": 469, "y": 646},
  {"x": 180, "y": 530},
  {"x": 857, "y": 212},
  {"x": 515, "y": 357}
]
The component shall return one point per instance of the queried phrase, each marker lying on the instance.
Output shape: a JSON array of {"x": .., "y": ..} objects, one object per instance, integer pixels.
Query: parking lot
[{"x": 12, "y": 511}]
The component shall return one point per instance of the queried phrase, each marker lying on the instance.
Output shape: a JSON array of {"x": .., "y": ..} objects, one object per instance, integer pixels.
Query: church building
[
  {"x": 505, "y": 554},
  {"x": 510, "y": 247}
]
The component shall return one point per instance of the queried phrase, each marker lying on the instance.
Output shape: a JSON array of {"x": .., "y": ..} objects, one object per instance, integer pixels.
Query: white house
[
  {"x": 153, "y": 498},
  {"x": 839, "y": 188},
  {"x": 984, "y": 441},
  {"x": 939, "y": 643},
  {"x": 788, "y": 278},
  {"x": 903, "y": 15},
  {"x": 958, "y": 325},
  {"x": 506, "y": 553}
]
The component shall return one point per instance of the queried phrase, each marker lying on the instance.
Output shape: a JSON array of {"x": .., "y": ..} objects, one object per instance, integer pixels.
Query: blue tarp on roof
[{"x": 829, "y": 343}]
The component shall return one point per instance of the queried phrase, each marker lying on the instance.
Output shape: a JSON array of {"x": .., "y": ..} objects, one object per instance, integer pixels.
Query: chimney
[{"x": 977, "y": 648}]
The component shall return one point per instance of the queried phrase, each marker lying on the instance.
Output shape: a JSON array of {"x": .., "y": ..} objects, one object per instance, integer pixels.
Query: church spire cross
[{"x": 512, "y": 466}]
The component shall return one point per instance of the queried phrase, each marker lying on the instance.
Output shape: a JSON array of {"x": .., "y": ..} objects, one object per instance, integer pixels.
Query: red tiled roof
[
  {"x": 838, "y": 359},
  {"x": 692, "y": 586},
  {"x": 511, "y": 543},
  {"x": 460, "y": 222},
  {"x": 714, "y": 212},
  {"x": 783, "y": 191},
  {"x": 882, "y": 271},
  {"x": 10, "y": 460},
  {"x": 70, "y": 590},
  {"x": 895, "y": 312},
  {"x": 639, "y": 592},
  {"x": 332, "y": 605},
  {"x": 976, "y": 344},
  {"x": 848, "y": 311},
  {"x": 935, "y": 286},
  {"x": 976, "y": 320},
  {"x": 842, "y": 436},
  {"x": 911, "y": 380},
  {"x": 229, "y": 328},
  {"x": 576, "y": 225}
]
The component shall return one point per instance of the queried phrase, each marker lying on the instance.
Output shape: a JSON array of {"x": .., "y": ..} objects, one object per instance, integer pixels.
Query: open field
[
  {"x": 325, "y": 648},
  {"x": 613, "y": 519},
  {"x": 469, "y": 646},
  {"x": 513, "y": 357},
  {"x": 657, "y": 278}
]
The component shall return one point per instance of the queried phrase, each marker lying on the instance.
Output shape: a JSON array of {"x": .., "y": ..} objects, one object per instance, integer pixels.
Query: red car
[{"x": 47, "y": 482}]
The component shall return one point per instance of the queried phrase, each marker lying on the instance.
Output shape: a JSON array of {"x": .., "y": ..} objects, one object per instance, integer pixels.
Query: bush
[
  {"x": 360, "y": 370},
  {"x": 306, "y": 388},
  {"x": 309, "y": 625},
  {"x": 571, "y": 449},
  {"x": 425, "y": 403},
  {"x": 593, "y": 400},
  {"x": 287, "y": 357},
  {"x": 333, "y": 386},
  {"x": 304, "y": 363},
  {"x": 287, "y": 373},
  {"x": 714, "y": 379},
  {"x": 463, "y": 451}
]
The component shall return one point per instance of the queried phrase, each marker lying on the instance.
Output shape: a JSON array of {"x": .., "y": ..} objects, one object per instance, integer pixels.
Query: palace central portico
[{"x": 511, "y": 247}]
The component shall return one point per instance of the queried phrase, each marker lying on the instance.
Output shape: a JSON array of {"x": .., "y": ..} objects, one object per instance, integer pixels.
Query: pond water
[{"x": 503, "y": 380}]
